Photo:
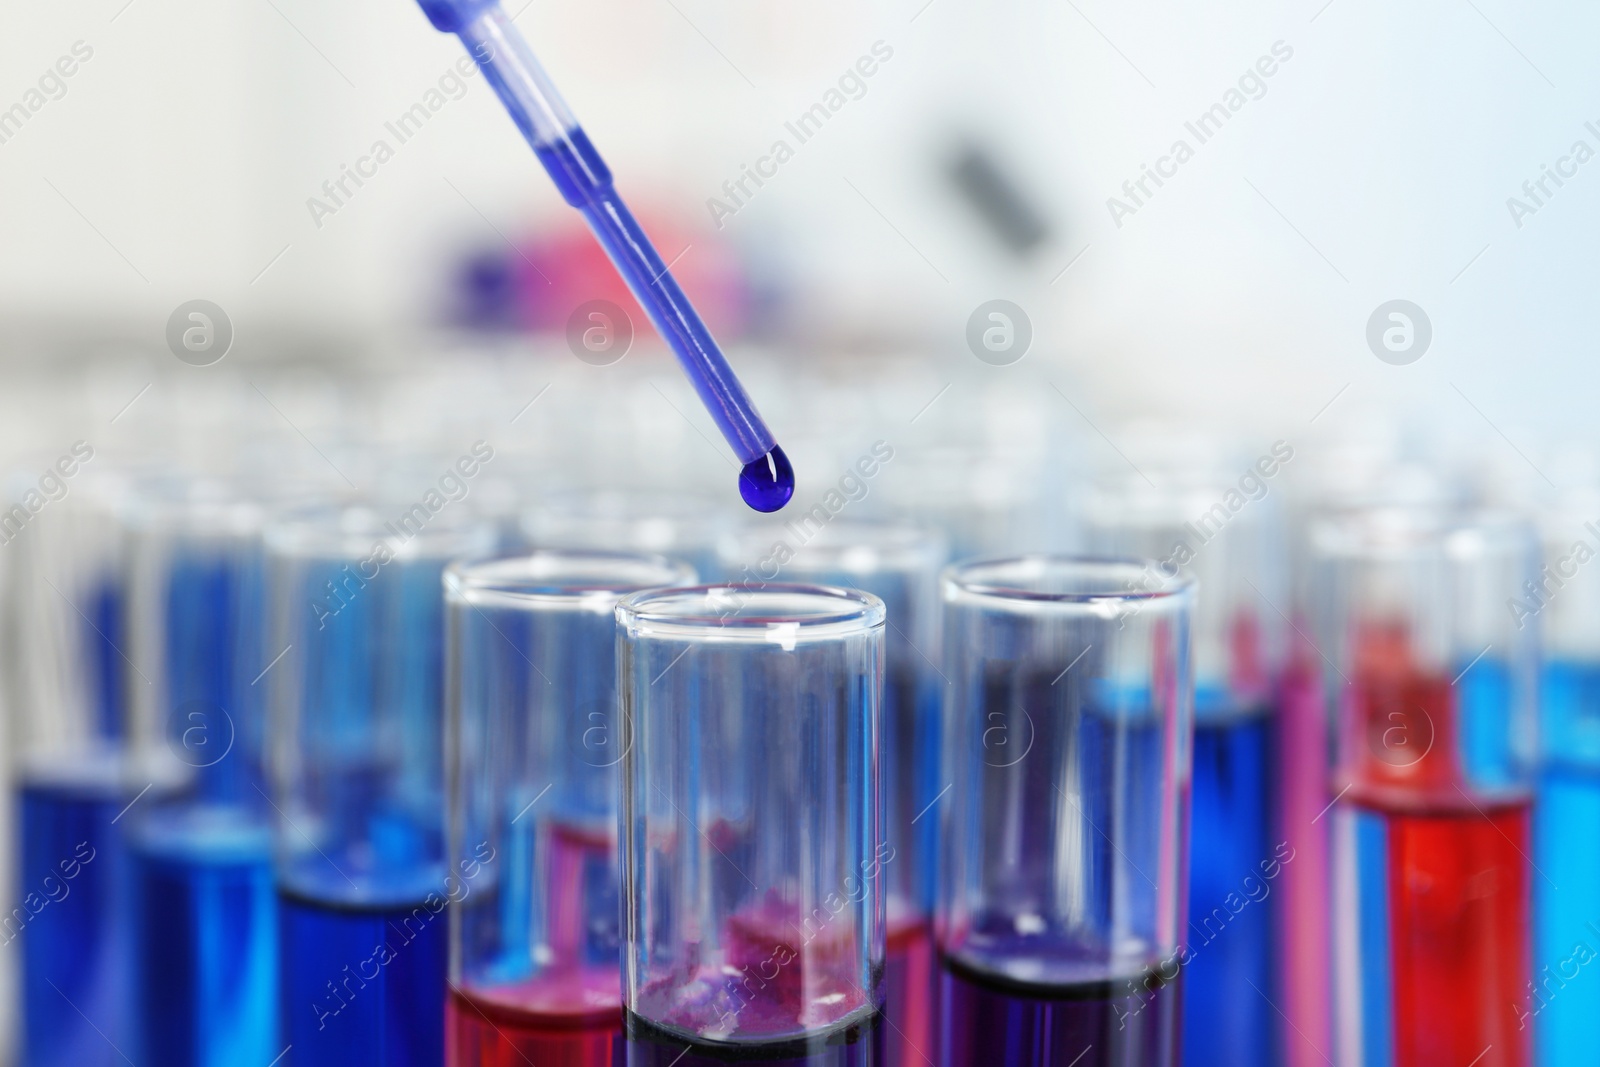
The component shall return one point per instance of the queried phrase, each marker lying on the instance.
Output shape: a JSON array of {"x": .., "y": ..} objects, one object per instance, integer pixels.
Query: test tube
[
  {"x": 354, "y": 658},
  {"x": 532, "y": 764},
  {"x": 684, "y": 526},
  {"x": 1432, "y": 687},
  {"x": 1063, "y": 838},
  {"x": 900, "y": 566},
  {"x": 753, "y": 855},
  {"x": 1226, "y": 535},
  {"x": 66, "y": 725},
  {"x": 205, "y": 951},
  {"x": 1340, "y": 477},
  {"x": 1564, "y": 603}
]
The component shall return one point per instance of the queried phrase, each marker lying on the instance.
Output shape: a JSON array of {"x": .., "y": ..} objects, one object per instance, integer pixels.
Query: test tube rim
[
  {"x": 318, "y": 532},
  {"x": 190, "y": 511},
  {"x": 1416, "y": 532},
  {"x": 1132, "y": 504},
  {"x": 958, "y": 583},
  {"x": 640, "y": 615},
  {"x": 897, "y": 546},
  {"x": 493, "y": 581}
]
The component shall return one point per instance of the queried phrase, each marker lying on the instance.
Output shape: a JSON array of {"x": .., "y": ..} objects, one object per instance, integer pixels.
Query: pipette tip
[{"x": 767, "y": 482}]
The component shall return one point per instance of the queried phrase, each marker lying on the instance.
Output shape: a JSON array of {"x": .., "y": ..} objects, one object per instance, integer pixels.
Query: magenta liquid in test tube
[
  {"x": 899, "y": 565},
  {"x": 1063, "y": 838},
  {"x": 533, "y": 757},
  {"x": 754, "y": 864}
]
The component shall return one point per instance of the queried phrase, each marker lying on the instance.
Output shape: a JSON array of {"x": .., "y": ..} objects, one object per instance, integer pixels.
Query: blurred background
[{"x": 177, "y": 163}]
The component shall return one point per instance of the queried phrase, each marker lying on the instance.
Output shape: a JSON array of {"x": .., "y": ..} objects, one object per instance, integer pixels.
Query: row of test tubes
[{"x": 1243, "y": 763}]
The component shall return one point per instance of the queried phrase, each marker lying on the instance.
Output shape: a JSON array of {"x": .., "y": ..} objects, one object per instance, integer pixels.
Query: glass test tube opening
[
  {"x": 900, "y": 566},
  {"x": 1432, "y": 681},
  {"x": 1063, "y": 841},
  {"x": 753, "y": 851},
  {"x": 356, "y": 613},
  {"x": 1227, "y": 535},
  {"x": 533, "y": 760}
]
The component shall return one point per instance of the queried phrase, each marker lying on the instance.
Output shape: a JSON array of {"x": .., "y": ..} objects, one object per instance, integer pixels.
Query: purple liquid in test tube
[
  {"x": 767, "y": 480},
  {"x": 1059, "y": 920},
  {"x": 754, "y": 864}
]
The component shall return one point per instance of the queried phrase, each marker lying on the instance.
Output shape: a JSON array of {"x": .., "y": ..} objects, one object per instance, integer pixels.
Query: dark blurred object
[
  {"x": 486, "y": 291},
  {"x": 989, "y": 190}
]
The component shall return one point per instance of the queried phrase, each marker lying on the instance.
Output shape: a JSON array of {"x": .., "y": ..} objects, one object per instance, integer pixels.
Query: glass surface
[
  {"x": 899, "y": 565},
  {"x": 533, "y": 762},
  {"x": 1064, "y": 836},
  {"x": 356, "y": 613},
  {"x": 753, "y": 847}
]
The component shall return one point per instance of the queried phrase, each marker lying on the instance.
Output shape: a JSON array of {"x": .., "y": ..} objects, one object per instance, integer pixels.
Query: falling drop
[{"x": 767, "y": 482}]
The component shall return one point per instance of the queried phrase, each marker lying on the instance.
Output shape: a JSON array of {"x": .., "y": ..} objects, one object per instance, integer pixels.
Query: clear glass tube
[
  {"x": 355, "y": 662},
  {"x": 753, "y": 850},
  {"x": 205, "y": 916},
  {"x": 684, "y": 526},
  {"x": 533, "y": 765},
  {"x": 1227, "y": 535},
  {"x": 900, "y": 566},
  {"x": 1564, "y": 603},
  {"x": 1432, "y": 685},
  {"x": 1067, "y": 752}
]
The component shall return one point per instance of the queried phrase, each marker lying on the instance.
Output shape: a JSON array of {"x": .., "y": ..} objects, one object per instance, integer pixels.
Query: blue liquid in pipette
[
  {"x": 206, "y": 934},
  {"x": 767, "y": 480},
  {"x": 1566, "y": 973},
  {"x": 1227, "y": 1016},
  {"x": 70, "y": 918},
  {"x": 363, "y": 986}
]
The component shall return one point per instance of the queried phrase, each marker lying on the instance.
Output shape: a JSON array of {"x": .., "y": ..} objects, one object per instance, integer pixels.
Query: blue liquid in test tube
[
  {"x": 356, "y": 732},
  {"x": 766, "y": 481},
  {"x": 205, "y": 975},
  {"x": 1231, "y": 974},
  {"x": 63, "y": 685},
  {"x": 1565, "y": 1000},
  {"x": 1567, "y": 907}
]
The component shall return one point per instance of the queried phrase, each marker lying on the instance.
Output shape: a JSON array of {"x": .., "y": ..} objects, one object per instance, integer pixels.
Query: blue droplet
[{"x": 767, "y": 482}]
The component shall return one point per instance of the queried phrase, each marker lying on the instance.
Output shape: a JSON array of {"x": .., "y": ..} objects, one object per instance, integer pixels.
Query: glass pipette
[{"x": 767, "y": 480}]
